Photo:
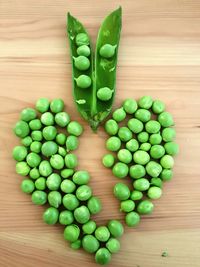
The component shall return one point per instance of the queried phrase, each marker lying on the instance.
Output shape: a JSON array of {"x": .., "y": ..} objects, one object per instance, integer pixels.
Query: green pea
[
  {"x": 66, "y": 217},
  {"x": 120, "y": 170},
  {"x": 39, "y": 197},
  {"x": 143, "y": 137},
  {"x": 49, "y": 133},
  {"x": 143, "y": 115},
  {"x": 82, "y": 214},
  {"x": 124, "y": 155},
  {"x": 171, "y": 148},
  {"x": 83, "y": 81},
  {"x": 113, "y": 143},
  {"x": 113, "y": 245},
  {"x": 104, "y": 94},
  {"x": 90, "y": 243},
  {"x": 94, "y": 205},
  {"x": 132, "y": 219},
  {"x": 130, "y": 106},
  {"x": 153, "y": 168},
  {"x": 89, "y": 227},
  {"x": 119, "y": 114},
  {"x": 103, "y": 256},
  {"x": 137, "y": 171},
  {"x": 72, "y": 143},
  {"x": 165, "y": 119},
  {"x": 28, "y": 114},
  {"x": 111, "y": 127},
  {"x": 135, "y": 125},
  {"x": 40, "y": 183},
  {"x": 157, "y": 181},
  {"x": 62, "y": 119},
  {"x": 76, "y": 244},
  {"x": 66, "y": 173},
  {"x": 36, "y": 135},
  {"x": 21, "y": 129},
  {"x": 121, "y": 191},
  {"x": 50, "y": 216},
  {"x": 136, "y": 195},
  {"x": 33, "y": 159},
  {"x": 154, "y": 192},
  {"x": 22, "y": 168},
  {"x": 62, "y": 151},
  {"x": 57, "y": 105},
  {"x": 83, "y": 192},
  {"x": 108, "y": 160},
  {"x": 57, "y": 162},
  {"x": 45, "y": 168},
  {"x": 35, "y": 124},
  {"x": 71, "y": 232},
  {"x": 116, "y": 228},
  {"x": 81, "y": 62},
  {"x": 47, "y": 118},
  {"x": 71, "y": 161},
  {"x": 132, "y": 145},
  {"x": 166, "y": 175},
  {"x": 42, "y": 105},
  {"x": 141, "y": 157},
  {"x": 152, "y": 126},
  {"x": 36, "y": 146},
  {"x": 49, "y": 148},
  {"x": 125, "y": 134},
  {"x": 55, "y": 199},
  {"x": 61, "y": 139},
  {"x": 27, "y": 186},
  {"x": 145, "y": 102},
  {"x": 102, "y": 233},
  {"x": 53, "y": 181},
  {"x": 167, "y": 162},
  {"x": 19, "y": 153},
  {"x": 34, "y": 173},
  {"x": 145, "y": 147},
  {"x": 127, "y": 205},
  {"x": 107, "y": 50},
  {"x": 155, "y": 139},
  {"x": 168, "y": 134},
  {"x": 26, "y": 141},
  {"x": 74, "y": 128},
  {"x": 70, "y": 202},
  {"x": 157, "y": 151},
  {"x": 158, "y": 106},
  {"x": 82, "y": 39},
  {"x": 141, "y": 184},
  {"x": 81, "y": 177},
  {"x": 145, "y": 207},
  {"x": 83, "y": 50}
]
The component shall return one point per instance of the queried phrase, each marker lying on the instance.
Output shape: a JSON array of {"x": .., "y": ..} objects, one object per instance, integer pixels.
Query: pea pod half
[{"x": 94, "y": 74}]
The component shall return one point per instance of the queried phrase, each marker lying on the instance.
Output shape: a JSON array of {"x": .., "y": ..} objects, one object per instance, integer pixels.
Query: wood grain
[{"x": 159, "y": 56}]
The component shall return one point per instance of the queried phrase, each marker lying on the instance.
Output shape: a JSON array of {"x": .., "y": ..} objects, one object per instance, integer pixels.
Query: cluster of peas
[
  {"x": 82, "y": 63},
  {"x": 46, "y": 160},
  {"x": 145, "y": 148}
]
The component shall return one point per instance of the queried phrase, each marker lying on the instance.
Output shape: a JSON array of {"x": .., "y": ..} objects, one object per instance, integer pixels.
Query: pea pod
[{"x": 95, "y": 102}]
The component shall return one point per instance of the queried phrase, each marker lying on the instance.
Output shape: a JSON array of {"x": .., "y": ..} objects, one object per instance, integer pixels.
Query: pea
[
  {"x": 104, "y": 94},
  {"x": 60, "y": 139},
  {"x": 35, "y": 124},
  {"x": 153, "y": 168},
  {"x": 94, "y": 205},
  {"x": 145, "y": 207},
  {"x": 152, "y": 127},
  {"x": 62, "y": 119},
  {"x": 26, "y": 141},
  {"x": 82, "y": 214},
  {"x": 55, "y": 199},
  {"x": 61, "y": 151},
  {"x": 136, "y": 195},
  {"x": 168, "y": 134},
  {"x": 36, "y": 135},
  {"x": 33, "y": 159},
  {"x": 45, "y": 168},
  {"x": 57, "y": 162},
  {"x": 113, "y": 143},
  {"x": 127, "y": 205},
  {"x": 70, "y": 202},
  {"x": 42, "y": 105},
  {"x": 57, "y": 105},
  {"x": 157, "y": 151},
  {"x": 90, "y": 243},
  {"x": 74, "y": 128},
  {"x": 111, "y": 127},
  {"x": 49, "y": 148},
  {"x": 81, "y": 63},
  {"x": 143, "y": 137},
  {"x": 19, "y": 153},
  {"x": 145, "y": 102},
  {"x": 89, "y": 227},
  {"x": 71, "y": 232},
  {"x": 166, "y": 175},
  {"x": 113, "y": 245},
  {"x": 121, "y": 191},
  {"x": 72, "y": 143},
  {"x": 102, "y": 233},
  {"x": 120, "y": 170},
  {"x": 28, "y": 114},
  {"x": 158, "y": 106},
  {"x": 47, "y": 118},
  {"x": 124, "y": 155},
  {"x": 50, "y": 216},
  {"x": 156, "y": 181},
  {"x": 39, "y": 197},
  {"x": 155, "y": 139},
  {"x": 71, "y": 161},
  {"x": 82, "y": 39},
  {"x": 165, "y": 119},
  {"x": 36, "y": 146},
  {"x": 108, "y": 160},
  {"x": 34, "y": 173},
  {"x": 116, "y": 228},
  {"x": 167, "y": 162},
  {"x": 40, "y": 183},
  {"x": 119, "y": 114},
  {"x": 143, "y": 115},
  {"x": 141, "y": 157},
  {"x": 145, "y": 147},
  {"x": 53, "y": 181},
  {"x": 49, "y": 133},
  {"x": 132, "y": 219},
  {"x": 171, "y": 148},
  {"x": 83, "y": 50},
  {"x": 137, "y": 171},
  {"x": 22, "y": 168},
  {"x": 83, "y": 192},
  {"x": 66, "y": 173},
  {"x": 130, "y": 106},
  {"x": 66, "y": 217},
  {"x": 107, "y": 50},
  {"x": 125, "y": 134},
  {"x": 141, "y": 184},
  {"x": 102, "y": 256},
  {"x": 154, "y": 192},
  {"x": 27, "y": 186},
  {"x": 21, "y": 129},
  {"x": 135, "y": 125},
  {"x": 132, "y": 145},
  {"x": 76, "y": 244},
  {"x": 81, "y": 177},
  {"x": 83, "y": 81}
]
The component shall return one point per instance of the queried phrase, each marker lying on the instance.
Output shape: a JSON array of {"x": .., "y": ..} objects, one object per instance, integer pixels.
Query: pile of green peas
[
  {"x": 142, "y": 136},
  {"x": 46, "y": 160}
]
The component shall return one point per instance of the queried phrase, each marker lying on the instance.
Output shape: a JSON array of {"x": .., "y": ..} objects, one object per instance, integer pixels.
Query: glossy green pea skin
[
  {"x": 127, "y": 205},
  {"x": 141, "y": 157},
  {"x": 33, "y": 159},
  {"x": 42, "y": 105},
  {"x": 116, "y": 228},
  {"x": 108, "y": 160},
  {"x": 36, "y": 147},
  {"x": 82, "y": 39},
  {"x": 57, "y": 105},
  {"x": 141, "y": 184},
  {"x": 89, "y": 227},
  {"x": 94, "y": 205},
  {"x": 132, "y": 145},
  {"x": 102, "y": 256},
  {"x": 113, "y": 245},
  {"x": 143, "y": 115},
  {"x": 136, "y": 195},
  {"x": 49, "y": 148},
  {"x": 28, "y": 114},
  {"x": 81, "y": 177},
  {"x": 71, "y": 161},
  {"x": 145, "y": 207},
  {"x": 35, "y": 124},
  {"x": 130, "y": 106},
  {"x": 55, "y": 199},
  {"x": 154, "y": 192},
  {"x": 158, "y": 106},
  {"x": 72, "y": 143},
  {"x": 143, "y": 137},
  {"x": 83, "y": 81},
  {"x": 36, "y": 135},
  {"x": 47, "y": 118},
  {"x": 21, "y": 129},
  {"x": 120, "y": 170},
  {"x": 145, "y": 146},
  {"x": 152, "y": 127},
  {"x": 71, "y": 232},
  {"x": 83, "y": 50},
  {"x": 74, "y": 128},
  {"x": 83, "y": 192},
  {"x": 22, "y": 168},
  {"x": 70, "y": 202},
  {"x": 45, "y": 168},
  {"x": 49, "y": 133},
  {"x": 145, "y": 102},
  {"x": 166, "y": 174},
  {"x": 39, "y": 197},
  {"x": 171, "y": 148},
  {"x": 113, "y": 143},
  {"x": 104, "y": 94},
  {"x": 167, "y": 162},
  {"x": 156, "y": 181},
  {"x": 121, "y": 191},
  {"x": 62, "y": 151},
  {"x": 19, "y": 153},
  {"x": 90, "y": 243},
  {"x": 50, "y": 216},
  {"x": 157, "y": 151},
  {"x": 66, "y": 173},
  {"x": 155, "y": 139},
  {"x": 61, "y": 139},
  {"x": 102, "y": 233},
  {"x": 67, "y": 186},
  {"x": 34, "y": 173},
  {"x": 125, "y": 134},
  {"x": 62, "y": 119},
  {"x": 168, "y": 134},
  {"x": 137, "y": 171},
  {"x": 81, "y": 63},
  {"x": 135, "y": 125},
  {"x": 53, "y": 181},
  {"x": 153, "y": 168},
  {"x": 82, "y": 214},
  {"x": 107, "y": 51},
  {"x": 66, "y": 217},
  {"x": 132, "y": 219},
  {"x": 76, "y": 244},
  {"x": 111, "y": 127},
  {"x": 40, "y": 183},
  {"x": 27, "y": 186},
  {"x": 124, "y": 155},
  {"x": 165, "y": 119},
  {"x": 119, "y": 115},
  {"x": 26, "y": 141},
  {"x": 57, "y": 162}
]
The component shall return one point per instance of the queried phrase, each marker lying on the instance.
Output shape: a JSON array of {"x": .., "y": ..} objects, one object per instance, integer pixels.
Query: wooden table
[{"x": 159, "y": 56}]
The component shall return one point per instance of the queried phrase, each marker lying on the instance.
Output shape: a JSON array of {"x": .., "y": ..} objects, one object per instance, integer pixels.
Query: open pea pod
[{"x": 94, "y": 87}]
